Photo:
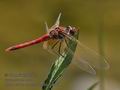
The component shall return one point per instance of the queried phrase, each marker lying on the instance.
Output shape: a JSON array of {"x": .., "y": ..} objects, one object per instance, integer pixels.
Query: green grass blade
[{"x": 59, "y": 66}]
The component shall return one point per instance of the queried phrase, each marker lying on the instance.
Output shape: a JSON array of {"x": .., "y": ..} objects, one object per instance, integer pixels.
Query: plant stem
[{"x": 100, "y": 14}]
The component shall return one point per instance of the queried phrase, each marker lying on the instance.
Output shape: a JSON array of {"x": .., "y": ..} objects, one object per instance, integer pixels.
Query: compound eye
[
  {"x": 72, "y": 32},
  {"x": 68, "y": 28}
]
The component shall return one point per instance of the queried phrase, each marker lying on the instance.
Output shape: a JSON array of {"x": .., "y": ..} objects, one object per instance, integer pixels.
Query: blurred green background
[{"x": 22, "y": 20}]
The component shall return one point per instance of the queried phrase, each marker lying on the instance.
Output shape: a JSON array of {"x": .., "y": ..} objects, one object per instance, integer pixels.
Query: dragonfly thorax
[
  {"x": 61, "y": 32},
  {"x": 57, "y": 33}
]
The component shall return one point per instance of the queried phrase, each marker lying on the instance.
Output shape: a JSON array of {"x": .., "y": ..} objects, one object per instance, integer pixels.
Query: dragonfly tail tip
[
  {"x": 10, "y": 49},
  {"x": 7, "y": 50}
]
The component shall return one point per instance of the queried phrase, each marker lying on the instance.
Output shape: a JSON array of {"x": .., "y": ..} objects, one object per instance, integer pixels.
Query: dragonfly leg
[
  {"x": 55, "y": 44},
  {"x": 67, "y": 48},
  {"x": 59, "y": 50},
  {"x": 66, "y": 42},
  {"x": 58, "y": 53}
]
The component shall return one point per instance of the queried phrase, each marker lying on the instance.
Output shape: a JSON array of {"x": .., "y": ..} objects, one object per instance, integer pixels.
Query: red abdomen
[{"x": 29, "y": 43}]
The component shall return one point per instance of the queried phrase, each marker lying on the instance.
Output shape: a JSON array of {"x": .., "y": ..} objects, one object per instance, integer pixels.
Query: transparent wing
[
  {"x": 48, "y": 44},
  {"x": 57, "y": 23},
  {"x": 88, "y": 60},
  {"x": 84, "y": 65},
  {"x": 46, "y": 27},
  {"x": 56, "y": 47}
]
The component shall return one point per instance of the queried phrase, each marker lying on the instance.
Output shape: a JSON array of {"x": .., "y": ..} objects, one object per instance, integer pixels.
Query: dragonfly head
[{"x": 70, "y": 30}]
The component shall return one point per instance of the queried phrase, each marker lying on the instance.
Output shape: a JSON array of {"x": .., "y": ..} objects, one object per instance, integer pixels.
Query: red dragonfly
[{"x": 56, "y": 41}]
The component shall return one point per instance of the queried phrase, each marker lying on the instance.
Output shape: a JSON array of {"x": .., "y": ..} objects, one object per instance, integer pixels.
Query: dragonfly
[{"x": 56, "y": 41}]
